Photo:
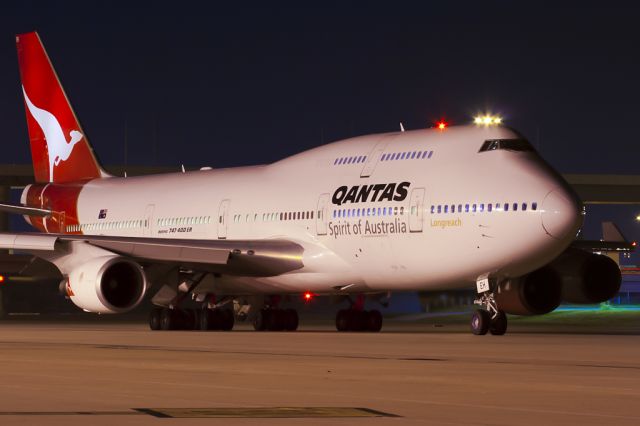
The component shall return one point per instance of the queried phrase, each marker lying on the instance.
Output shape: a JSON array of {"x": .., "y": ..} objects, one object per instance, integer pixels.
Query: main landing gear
[
  {"x": 191, "y": 319},
  {"x": 488, "y": 318}
]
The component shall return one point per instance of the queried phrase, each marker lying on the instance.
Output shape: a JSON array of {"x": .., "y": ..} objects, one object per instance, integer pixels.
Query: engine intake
[
  {"x": 107, "y": 284},
  {"x": 536, "y": 293},
  {"x": 587, "y": 277}
]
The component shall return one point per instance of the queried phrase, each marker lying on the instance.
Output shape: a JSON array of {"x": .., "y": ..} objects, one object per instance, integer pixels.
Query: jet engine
[
  {"x": 587, "y": 277},
  {"x": 536, "y": 293},
  {"x": 106, "y": 284}
]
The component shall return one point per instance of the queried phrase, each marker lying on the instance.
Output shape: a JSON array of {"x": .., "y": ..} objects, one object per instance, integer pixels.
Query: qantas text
[{"x": 374, "y": 192}]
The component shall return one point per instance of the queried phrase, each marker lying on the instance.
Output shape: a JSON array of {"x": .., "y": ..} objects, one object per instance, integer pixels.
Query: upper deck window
[{"x": 506, "y": 144}]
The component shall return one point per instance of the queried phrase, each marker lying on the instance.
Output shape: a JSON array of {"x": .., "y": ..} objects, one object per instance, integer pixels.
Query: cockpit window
[{"x": 506, "y": 144}]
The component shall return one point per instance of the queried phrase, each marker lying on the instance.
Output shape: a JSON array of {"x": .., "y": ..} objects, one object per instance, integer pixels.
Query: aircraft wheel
[
  {"x": 498, "y": 324},
  {"x": 343, "y": 320},
  {"x": 291, "y": 320},
  {"x": 480, "y": 320},
  {"x": 374, "y": 321},
  {"x": 226, "y": 319},
  {"x": 260, "y": 321},
  {"x": 206, "y": 319},
  {"x": 275, "y": 320},
  {"x": 169, "y": 319},
  {"x": 190, "y": 319},
  {"x": 155, "y": 318}
]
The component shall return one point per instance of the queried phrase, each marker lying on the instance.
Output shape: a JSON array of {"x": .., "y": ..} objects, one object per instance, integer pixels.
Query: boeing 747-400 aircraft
[{"x": 469, "y": 206}]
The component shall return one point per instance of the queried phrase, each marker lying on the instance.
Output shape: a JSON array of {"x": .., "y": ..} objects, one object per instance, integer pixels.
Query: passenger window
[
  {"x": 430, "y": 154},
  {"x": 453, "y": 208},
  {"x": 515, "y": 207},
  {"x": 506, "y": 207},
  {"x": 466, "y": 208},
  {"x": 446, "y": 209},
  {"x": 413, "y": 155},
  {"x": 524, "y": 207},
  {"x": 439, "y": 209},
  {"x": 481, "y": 208},
  {"x": 459, "y": 208},
  {"x": 473, "y": 208},
  {"x": 395, "y": 211},
  {"x": 489, "y": 207},
  {"x": 401, "y": 211},
  {"x": 424, "y": 154},
  {"x": 384, "y": 157},
  {"x": 534, "y": 206}
]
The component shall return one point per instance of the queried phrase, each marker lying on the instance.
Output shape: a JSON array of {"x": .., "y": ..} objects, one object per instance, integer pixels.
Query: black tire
[
  {"x": 260, "y": 321},
  {"x": 358, "y": 320},
  {"x": 374, "y": 321},
  {"x": 291, "y": 321},
  {"x": 155, "y": 318},
  {"x": 275, "y": 320},
  {"x": 168, "y": 319},
  {"x": 480, "y": 320},
  {"x": 227, "y": 319},
  {"x": 498, "y": 324},
  {"x": 189, "y": 319},
  {"x": 343, "y": 322},
  {"x": 206, "y": 320}
]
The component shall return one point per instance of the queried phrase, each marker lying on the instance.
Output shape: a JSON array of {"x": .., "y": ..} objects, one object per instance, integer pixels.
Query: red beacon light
[
  {"x": 441, "y": 125},
  {"x": 308, "y": 296},
  {"x": 2, "y": 278}
]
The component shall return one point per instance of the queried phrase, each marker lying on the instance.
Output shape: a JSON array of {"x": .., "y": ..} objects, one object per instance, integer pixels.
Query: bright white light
[{"x": 487, "y": 120}]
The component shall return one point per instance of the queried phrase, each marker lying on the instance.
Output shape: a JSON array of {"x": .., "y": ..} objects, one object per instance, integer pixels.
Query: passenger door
[
  {"x": 416, "y": 210},
  {"x": 322, "y": 214},
  {"x": 223, "y": 215},
  {"x": 147, "y": 226}
]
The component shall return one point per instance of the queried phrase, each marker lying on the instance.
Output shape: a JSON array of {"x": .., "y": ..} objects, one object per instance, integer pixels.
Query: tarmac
[{"x": 104, "y": 373}]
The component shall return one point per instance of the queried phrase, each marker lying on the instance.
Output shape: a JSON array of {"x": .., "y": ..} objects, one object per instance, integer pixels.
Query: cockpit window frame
[{"x": 507, "y": 144}]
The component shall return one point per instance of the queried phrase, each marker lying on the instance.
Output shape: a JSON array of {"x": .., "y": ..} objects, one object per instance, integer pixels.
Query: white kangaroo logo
[{"x": 57, "y": 146}]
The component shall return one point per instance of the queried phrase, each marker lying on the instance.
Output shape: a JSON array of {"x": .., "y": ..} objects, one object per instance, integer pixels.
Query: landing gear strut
[{"x": 488, "y": 318}]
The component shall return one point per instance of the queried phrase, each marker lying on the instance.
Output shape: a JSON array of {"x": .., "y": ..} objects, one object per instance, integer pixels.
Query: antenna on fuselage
[
  {"x": 401, "y": 127},
  {"x": 182, "y": 165}
]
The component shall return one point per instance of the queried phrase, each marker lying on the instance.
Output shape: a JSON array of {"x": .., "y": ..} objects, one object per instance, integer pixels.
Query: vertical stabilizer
[{"x": 60, "y": 150}]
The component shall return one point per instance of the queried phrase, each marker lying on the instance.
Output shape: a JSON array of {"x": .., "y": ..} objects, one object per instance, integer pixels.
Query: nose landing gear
[{"x": 488, "y": 318}]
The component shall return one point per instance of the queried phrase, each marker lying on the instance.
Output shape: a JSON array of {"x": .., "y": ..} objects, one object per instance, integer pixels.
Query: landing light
[{"x": 487, "y": 120}]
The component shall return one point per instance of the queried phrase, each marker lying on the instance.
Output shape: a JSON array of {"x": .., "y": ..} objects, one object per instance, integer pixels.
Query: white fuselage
[{"x": 363, "y": 239}]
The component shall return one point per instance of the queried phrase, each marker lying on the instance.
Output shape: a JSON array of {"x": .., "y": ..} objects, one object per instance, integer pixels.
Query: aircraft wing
[
  {"x": 612, "y": 241},
  {"x": 24, "y": 210},
  {"x": 268, "y": 257}
]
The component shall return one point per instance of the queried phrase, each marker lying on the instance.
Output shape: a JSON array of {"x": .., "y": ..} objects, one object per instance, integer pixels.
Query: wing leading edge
[{"x": 232, "y": 257}]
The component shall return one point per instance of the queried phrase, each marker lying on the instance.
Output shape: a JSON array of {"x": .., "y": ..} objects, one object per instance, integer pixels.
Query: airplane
[{"x": 452, "y": 207}]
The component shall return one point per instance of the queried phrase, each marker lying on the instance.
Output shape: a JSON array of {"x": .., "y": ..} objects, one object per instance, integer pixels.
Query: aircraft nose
[{"x": 561, "y": 214}]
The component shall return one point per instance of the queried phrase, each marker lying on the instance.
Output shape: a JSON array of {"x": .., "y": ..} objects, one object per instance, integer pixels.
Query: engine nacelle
[
  {"x": 587, "y": 277},
  {"x": 536, "y": 293},
  {"x": 106, "y": 284}
]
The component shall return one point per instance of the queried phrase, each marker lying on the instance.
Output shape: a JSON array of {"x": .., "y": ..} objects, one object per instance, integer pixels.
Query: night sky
[{"x": 215, "y": 84}]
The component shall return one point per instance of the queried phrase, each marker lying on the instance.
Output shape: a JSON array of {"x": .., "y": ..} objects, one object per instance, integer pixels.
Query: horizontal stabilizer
[{"x": 24, "y": 210}]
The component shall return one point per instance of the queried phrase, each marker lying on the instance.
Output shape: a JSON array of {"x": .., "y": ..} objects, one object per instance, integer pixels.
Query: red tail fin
[{"x": 59, "y": 147}]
